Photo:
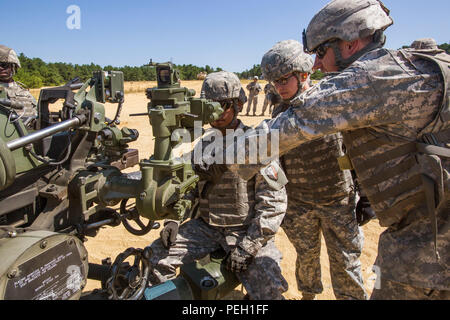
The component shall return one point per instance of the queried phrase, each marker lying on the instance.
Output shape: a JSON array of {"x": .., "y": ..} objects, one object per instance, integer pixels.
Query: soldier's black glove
[
  {"x": 364, "y": 213},
  {"x": 238, "y": 260},
  {"x": 169, "y": 233}
]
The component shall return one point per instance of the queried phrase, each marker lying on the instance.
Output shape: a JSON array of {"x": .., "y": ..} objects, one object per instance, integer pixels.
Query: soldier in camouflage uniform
[
  {"x": 393, "y": 109},
  {"x": 321, "y": 197},
  {"x": 271, "y": 99},
  {"x": 19, "y": 96},
  {"x": 254, "y": 88},
  {"x": 425, "y": 44},
  {"x": 239, "y": 216}
]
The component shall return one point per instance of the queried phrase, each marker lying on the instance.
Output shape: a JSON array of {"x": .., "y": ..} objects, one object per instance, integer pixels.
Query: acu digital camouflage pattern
[
  {"x": 251, "y": 225},
  {"x": 13, "y": 91},
  {"x": 425, "y": 44},
  {"x": 263, "y": 279},
  {"x": 283, "y": 58},
  {"x": 254, "y": 89},
  {"x": 347, "y": 20},
  {"x": 321, "y": 197},
  {"x": 223, "y": 85},
  {"x": 393, "y": 97},
  {"x": 21, "y": 96},
  {"x": 303, "y": 224}
]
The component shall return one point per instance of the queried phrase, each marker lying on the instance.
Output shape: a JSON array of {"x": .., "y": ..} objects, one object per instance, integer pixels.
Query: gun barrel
[
  {"x": 138, "y": 114},
  {"x": 36, "y": 136}
]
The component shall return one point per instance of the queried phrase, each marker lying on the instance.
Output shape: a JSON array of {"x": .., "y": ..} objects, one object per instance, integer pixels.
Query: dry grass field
[{"x": 111, "y": 241}]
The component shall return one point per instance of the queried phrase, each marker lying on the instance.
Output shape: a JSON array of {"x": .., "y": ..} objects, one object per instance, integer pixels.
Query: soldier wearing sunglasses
[
  {"x": 10, "y": 89},
  {"x": 393, "y": 109}
]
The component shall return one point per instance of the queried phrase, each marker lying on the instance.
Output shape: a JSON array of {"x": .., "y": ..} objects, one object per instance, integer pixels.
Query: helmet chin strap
[{"x": 379, "y": 40}]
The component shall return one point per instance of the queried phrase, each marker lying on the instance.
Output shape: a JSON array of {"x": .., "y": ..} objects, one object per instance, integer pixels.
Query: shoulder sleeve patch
[{"x": 274, "y": 175}]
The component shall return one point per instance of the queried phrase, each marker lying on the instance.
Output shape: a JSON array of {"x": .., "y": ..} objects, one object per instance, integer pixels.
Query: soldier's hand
[
  {"x": 364, "y": 212},
  {"x": 169, "y": 233},
  {"x": 238, "y": 260}
]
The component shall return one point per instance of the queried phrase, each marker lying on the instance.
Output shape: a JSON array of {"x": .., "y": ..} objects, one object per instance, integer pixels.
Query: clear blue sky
[{"x": 231, "y": 34}]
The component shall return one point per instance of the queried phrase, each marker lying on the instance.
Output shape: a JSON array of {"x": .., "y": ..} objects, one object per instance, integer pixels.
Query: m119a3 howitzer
[
  {"x": 59, "y": 182},
  {"x": 168, "y": 192},
  {"x": 48, "y": 203}
]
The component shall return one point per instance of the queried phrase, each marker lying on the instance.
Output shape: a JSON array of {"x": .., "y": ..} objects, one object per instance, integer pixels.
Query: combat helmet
[
  {"x": 348, "y": 20},
  {"x": 285, "y": 57},
  {"x": 224, "y": 85},
  {"x": 8, "y": 55},
  {"x": 425, "y": 44}
]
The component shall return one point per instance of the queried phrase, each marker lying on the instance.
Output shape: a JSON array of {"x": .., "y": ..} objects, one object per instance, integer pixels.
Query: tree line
[{"x": 35, "y": 73}]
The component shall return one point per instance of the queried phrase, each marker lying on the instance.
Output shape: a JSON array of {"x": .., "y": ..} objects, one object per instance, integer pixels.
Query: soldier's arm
[
  {"x": 270, "y": 208},
  {"x": 352, "y": 99}
]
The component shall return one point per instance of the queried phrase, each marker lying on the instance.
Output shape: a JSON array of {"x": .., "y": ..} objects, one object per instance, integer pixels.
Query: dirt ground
[{"x": 111, "y": 241}]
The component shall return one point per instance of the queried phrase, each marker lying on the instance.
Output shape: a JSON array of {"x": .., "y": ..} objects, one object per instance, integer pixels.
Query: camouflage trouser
[
  {"x": 262, "y": 280},
  {"x": 267, "y": 102},
  {"x": 252, "y": 99},
  {"x": 344, "y": 240},
  {"x": 392, "y": 290}
]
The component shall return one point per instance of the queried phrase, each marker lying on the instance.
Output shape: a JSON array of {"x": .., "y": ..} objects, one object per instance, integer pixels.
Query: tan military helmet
[
  {"x": 9, "y": 55},
  {"x": 285, "y": 57},
  {"x": 346, "y": 20},
  {"x": 425, "y": 44},
  {"x": 223, "y": 85}
]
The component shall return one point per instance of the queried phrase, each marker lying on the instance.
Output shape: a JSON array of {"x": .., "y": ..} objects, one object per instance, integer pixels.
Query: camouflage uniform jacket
[
  {"x": 392, "y": 97},
  {"x": 18, "y": 94},
  {"x": 254, "y": 88},
  {"x": 313, "y": 169},
  {"x": 238, "y": 207}
]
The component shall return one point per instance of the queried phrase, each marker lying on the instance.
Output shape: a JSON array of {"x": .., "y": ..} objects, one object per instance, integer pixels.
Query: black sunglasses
[
  {"x": 5, "y": 65},
  {"x": 321, "y": 49}
]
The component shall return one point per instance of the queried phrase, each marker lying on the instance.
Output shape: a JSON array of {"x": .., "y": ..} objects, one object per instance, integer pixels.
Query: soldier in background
[
  {"x": 321, "y": 197},
  {"x": 272, "y": 98},
  {"x": 425, "y": 44},
  {"x": 19, "y": 96},
  {"x": 393, "y": 109},
  {"x": 254, "y": 88},
  {"x": 242, "y": 217}
]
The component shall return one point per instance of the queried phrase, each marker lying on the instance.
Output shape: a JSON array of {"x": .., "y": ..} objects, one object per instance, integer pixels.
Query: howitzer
[
  {"x": 60, "y": 180},
  {"x": 47, "y": 206}
]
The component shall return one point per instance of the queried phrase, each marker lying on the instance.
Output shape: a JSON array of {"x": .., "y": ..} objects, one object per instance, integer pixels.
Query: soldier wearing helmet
[
  {"x": 254, "y": 88},
  {"x": 424, "y": 44},
  {"x": 9, "y": 63},
  {"x": 321, "y": 197},
  {"x": 393, "y": 109},
  {"x": 241, "y": 217}
]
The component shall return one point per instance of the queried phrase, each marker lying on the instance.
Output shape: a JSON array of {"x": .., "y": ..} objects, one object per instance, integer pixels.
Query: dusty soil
[{"x": 111, "y": 241}]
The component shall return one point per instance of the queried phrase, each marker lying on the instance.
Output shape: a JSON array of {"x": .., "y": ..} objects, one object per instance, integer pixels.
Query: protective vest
[
  {"x": 419, "y": 168},
  {"x": 313, "y": 170},
  {"x": 19, "y": 95},
  {"x": 229, "y": 203}
]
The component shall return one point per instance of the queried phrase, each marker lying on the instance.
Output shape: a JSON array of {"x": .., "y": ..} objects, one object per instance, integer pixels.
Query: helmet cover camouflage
[
  {"x": 223, "y": 85},
  {"x": 425, "y": 44},
  {"x": 9, "y": 55},
  {"x": 285, "y": 57},
  {"x": 347, "y": 20}
]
